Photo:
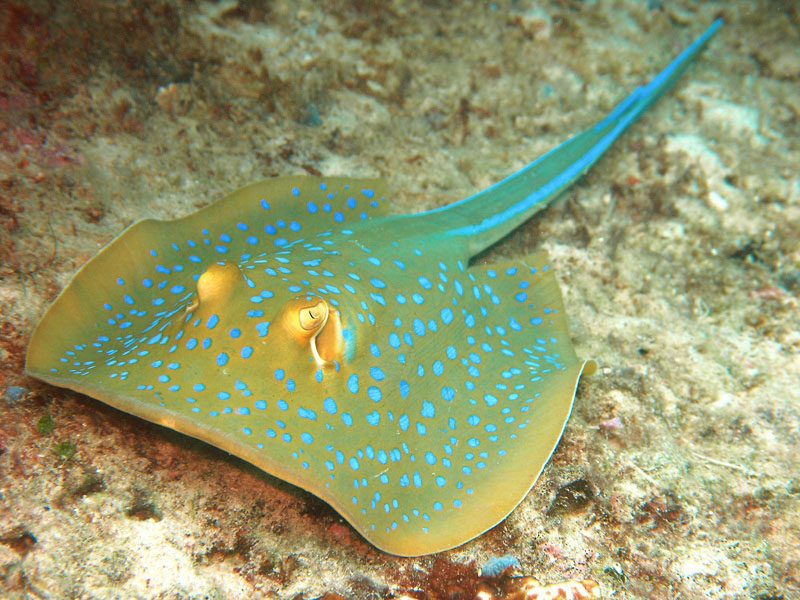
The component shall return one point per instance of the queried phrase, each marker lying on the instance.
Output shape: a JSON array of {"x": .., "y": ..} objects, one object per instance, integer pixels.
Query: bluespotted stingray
[{"x": 359, "y": 355}]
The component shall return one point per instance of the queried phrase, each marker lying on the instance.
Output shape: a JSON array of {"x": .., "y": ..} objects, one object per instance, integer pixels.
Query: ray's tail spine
[{"x": 490, "y": 215}]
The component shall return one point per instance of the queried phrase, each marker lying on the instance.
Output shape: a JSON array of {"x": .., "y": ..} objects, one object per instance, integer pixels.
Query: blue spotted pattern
[{"x": 358, "y": 355}]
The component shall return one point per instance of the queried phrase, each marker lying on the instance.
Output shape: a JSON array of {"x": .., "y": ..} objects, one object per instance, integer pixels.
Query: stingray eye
[
  {"x": 312, "y": 323},
  {"x": 312, "y": 318},
  {"x": 305, "y": 317}
]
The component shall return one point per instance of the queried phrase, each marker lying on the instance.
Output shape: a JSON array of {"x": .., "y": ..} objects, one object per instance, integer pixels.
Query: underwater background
[{"x": 678, "y": 255}]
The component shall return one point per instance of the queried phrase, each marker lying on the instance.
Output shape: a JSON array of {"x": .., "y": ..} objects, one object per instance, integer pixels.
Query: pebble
[
  {"x": 14, "y": 394},
  {"x": 497, "y": 565}
]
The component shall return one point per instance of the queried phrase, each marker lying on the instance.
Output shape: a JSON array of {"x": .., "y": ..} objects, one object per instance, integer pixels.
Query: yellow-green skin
[{"x": 357, "y": 355}]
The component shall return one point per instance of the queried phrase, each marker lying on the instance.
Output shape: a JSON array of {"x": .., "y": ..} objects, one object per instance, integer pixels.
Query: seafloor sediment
[{"x": 678, "y": 255}]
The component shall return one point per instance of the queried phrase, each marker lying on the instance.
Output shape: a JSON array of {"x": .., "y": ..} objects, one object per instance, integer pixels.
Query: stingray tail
[{"x": 495, "y": 212}]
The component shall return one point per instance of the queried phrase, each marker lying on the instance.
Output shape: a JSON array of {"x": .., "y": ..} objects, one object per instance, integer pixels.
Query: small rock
[
  {"x": 497, "y": 565},
  {"x": 143, "y": 507},
  {"x": 174, "y": 99},
  {"x": 14, "y": 394},
  {"x": 717, "y": 201},
  {"x": 19, "y": 539},
  {"x": 535, "y": 22},
  {"x": 613, "y": 424},
  {"x": 572, "y": 498}
]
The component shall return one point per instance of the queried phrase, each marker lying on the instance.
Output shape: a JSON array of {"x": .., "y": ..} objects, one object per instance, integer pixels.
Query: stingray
[{"x": 359, "y": 355}]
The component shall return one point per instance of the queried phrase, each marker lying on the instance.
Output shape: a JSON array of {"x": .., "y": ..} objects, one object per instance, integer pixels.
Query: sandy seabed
[{"x": 679, "y": 257}]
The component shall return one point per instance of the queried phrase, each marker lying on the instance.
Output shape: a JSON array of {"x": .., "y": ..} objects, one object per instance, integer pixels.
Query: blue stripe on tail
[{"x": 501, "y": 208}]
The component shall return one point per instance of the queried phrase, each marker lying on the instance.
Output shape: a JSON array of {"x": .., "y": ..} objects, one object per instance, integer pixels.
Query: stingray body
[{"x": 353, "y": 353}]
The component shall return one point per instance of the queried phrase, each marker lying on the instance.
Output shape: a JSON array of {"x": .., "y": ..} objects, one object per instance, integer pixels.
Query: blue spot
[
  {"x": 536, "y": 321},
  {"x": 374, "y": 393},
  {"x": 441, "y": 482},
  {"x": 247, "y": 352},
  {"x": 404, "y": 388},
  {"x": 490, "y": 400},
  {"x": 419, "y": 327},
  {"x": 280, "y": 374},
  {"x": 222, "y": 359},
  {"x": 212, "y": 321},
  {"x": 330, "y": 406},
  {"x": 404, "y": 480},
  {"x": 438, "y": 368},
  {"x": 418, "y": 299},
  {"x": 373, "y": 418},
  {"x": 394, "y": 340},
  {"x": 404, "y": 422},
  {"x": 430, "y": 458},
  {"x": 448, "y": 394},
  {"x": 417, "y": 479},
  {"x": 352, "y": 384},
  {"x": 261, "y": 404},
  {"x": 224, "y": 396},
  {"x": 307, "y": 438},
  {"x": 377, "y": 373},
  {"x": 306, "y": 413},
  {"x": 354, "y": 464},
  {"x": 447, "y": 316},
  {"x": 295, "y": 192},
  {"x": 378, "y": 283},
  {"x": 235, "y": 333},
  {"x": 428, "y": 410},
  {"x": 347, "y": 419}
]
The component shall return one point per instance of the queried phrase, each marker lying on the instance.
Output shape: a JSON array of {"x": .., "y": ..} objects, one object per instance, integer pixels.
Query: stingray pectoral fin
[
  {"x": 148, "y": 274},
  {"x": 272, "y": 213},
  {"x": 478, "y": 410},
  {"x": 83, "y": 312}
]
